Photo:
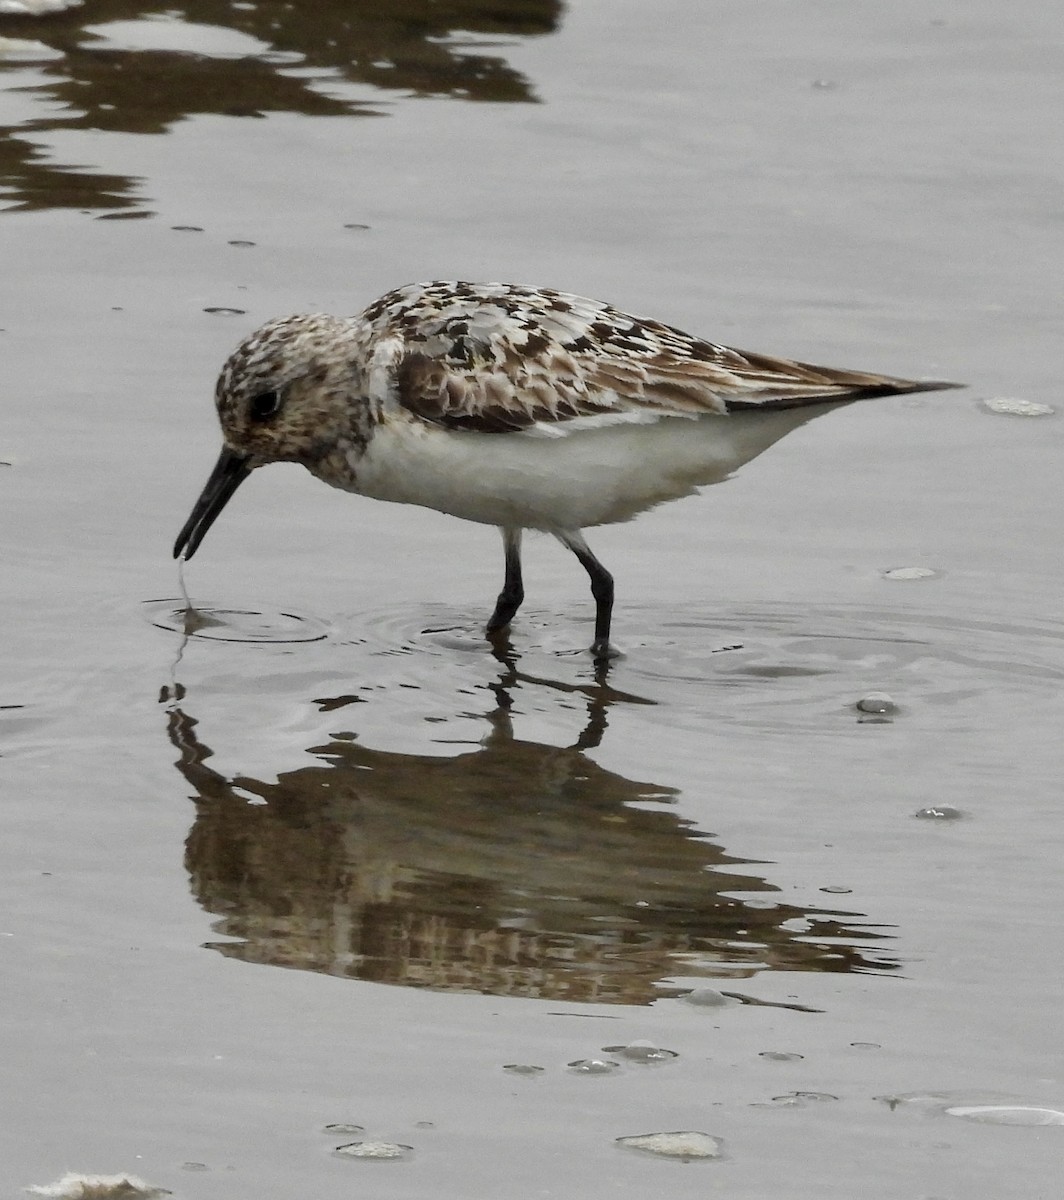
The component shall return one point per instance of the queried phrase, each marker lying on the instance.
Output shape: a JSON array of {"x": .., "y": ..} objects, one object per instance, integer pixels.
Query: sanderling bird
[{"x": 518, "y": 407}]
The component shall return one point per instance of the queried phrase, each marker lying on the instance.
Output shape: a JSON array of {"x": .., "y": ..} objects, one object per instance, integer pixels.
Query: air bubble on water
[
  {"x": 343, "y": 1127},
  {"x": 373, "y": 1150},
  {"x": 642, "y": 1051},
  {"x": 1012, "y": 406},
  {"x": 75, "y": 1186},
  {"x": 709, "y": 998},
  {"x": 220, "y": 310},
  {"x": 878, "y": 703},
  {"x": 797, "y": 1100},
  {"x": 685, "y": 1144},
  {"x": 233, "y": 624},
  {"x": 938, "y": 812},
  {"x": 594, "y": 1066},
  {"x": 836, "y": 889},
  {"x": 1007, "y": 1114},
  {"x": 866, "y": 1046},
  {"x": 780, "y": 1056},
  {"x": 913, "y": 1099},
  {"x": 907, "y": 573},
  {"x": 522, "y": 1069}
]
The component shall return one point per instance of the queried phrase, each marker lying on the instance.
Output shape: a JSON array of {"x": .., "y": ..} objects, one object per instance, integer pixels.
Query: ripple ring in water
[{"x": 218, "y": 624}]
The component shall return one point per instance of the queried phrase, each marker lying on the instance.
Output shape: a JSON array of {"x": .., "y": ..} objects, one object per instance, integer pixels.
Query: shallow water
[{"x": 484, "y": 866}]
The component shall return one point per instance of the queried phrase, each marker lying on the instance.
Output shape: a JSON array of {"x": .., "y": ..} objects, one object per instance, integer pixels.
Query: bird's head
[
  {"x": 284, "y": 392},
  {"x": 284, "y": 395}
]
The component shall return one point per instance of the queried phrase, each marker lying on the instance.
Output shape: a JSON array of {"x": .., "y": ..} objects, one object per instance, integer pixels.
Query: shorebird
[{"x": 518, "y": 407}]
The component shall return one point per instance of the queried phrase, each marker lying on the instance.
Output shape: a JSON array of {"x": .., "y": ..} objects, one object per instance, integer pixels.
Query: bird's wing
[{"x": 497, "y": 358}]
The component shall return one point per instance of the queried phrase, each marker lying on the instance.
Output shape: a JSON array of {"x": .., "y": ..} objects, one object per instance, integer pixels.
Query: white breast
[{"x": 590, "y": 476}]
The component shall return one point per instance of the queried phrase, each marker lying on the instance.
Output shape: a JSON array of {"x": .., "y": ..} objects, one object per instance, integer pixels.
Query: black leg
[
  {"x": 601, "y": 589},
  {"x": 513, "y": 591}
]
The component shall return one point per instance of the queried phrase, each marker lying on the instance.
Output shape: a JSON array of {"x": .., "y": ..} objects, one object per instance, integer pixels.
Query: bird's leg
[
  {"x": 601, "y": 589},
  {"x": 513, "y": 591}
]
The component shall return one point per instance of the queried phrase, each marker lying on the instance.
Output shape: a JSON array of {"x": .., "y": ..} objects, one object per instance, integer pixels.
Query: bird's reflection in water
[
  {"x": 122, "y": 70},
  {"x": 516, "y": 868}
]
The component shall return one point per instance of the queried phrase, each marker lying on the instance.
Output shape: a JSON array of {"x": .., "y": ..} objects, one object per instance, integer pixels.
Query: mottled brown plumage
[{"x": 520, "y": 407}]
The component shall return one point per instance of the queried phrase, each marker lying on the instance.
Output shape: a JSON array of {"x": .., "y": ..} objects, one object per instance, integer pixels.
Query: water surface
[{"x": 469, "y": 858}]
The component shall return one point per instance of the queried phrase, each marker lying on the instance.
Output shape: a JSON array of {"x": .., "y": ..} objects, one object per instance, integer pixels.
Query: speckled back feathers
[{"x": 502, "y": 358}]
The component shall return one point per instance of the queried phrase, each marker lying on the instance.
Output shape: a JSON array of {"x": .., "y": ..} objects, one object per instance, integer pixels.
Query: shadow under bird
[{"x": 518, "y": 407}]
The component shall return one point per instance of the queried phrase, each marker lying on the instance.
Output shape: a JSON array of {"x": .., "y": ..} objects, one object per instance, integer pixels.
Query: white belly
[{"x": 591, "y": 476}]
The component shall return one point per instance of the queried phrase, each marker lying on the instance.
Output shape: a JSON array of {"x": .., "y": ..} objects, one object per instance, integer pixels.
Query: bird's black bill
[{"x": 229, "y": 473}]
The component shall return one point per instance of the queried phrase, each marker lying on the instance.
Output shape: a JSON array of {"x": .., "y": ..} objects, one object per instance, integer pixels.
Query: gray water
[{"x": 472, "y": 861}]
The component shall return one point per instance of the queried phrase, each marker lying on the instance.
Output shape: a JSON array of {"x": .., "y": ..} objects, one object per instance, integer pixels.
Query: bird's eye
[{"x": 264, "y": 405}]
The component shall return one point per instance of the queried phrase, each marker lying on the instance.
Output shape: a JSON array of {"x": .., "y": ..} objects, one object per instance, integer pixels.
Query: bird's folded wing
[{"x": 563, "y": 363}]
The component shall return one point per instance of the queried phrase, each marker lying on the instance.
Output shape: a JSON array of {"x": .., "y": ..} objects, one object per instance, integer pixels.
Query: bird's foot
[
  {"x": 502, "y": 648},
  {"x": 603, "y": 652}
]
